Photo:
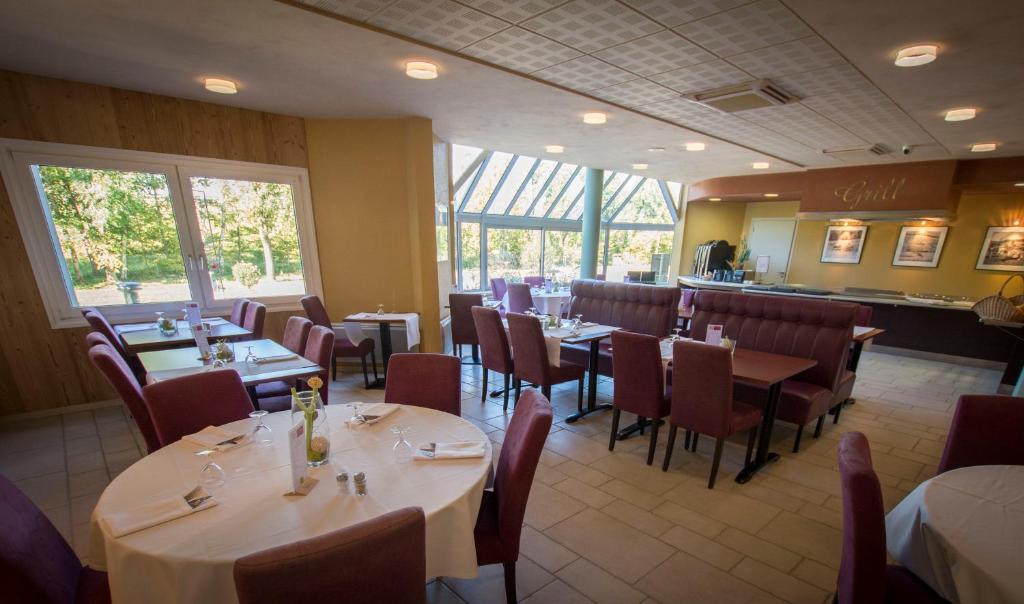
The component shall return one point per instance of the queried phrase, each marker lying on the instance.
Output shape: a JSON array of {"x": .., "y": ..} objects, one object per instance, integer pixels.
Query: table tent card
[
  {"x": 192, "y": 314},
  {"x": 201, "y": 334},
  {"x": 302, "y": 483},
  {"x": 714, "y": 336}
]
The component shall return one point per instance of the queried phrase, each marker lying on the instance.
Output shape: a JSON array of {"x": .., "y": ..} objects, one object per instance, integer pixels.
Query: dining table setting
[{"x": 149, "y": 335}]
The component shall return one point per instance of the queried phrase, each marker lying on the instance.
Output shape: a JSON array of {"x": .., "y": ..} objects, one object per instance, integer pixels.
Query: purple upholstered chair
[
  {"x": 864, "y": 576},
  {"x": 985, "y": 431},
  {"x": 343, "y": 347},
  {"x": 296, "y": 331},
  {"x": 519, "y": 298},
  {"x": 185, "y": 405},
  {"x": 255, "y": 316},
  {"x": 36, "y": 564},
  {"x": 499, "y": 287},
  {"x": 639, "y": 383},
  {"x": 99, "y": 323},
  {"x": 702, "y": 401},
  {"x": 380, "y": 561},
  {"x": 531, "y": 358},
  {"x": 276, "y": 396},
  {"x": 534, "y": 281},
  {"x": 495, "y": 353},
  {"x": 425, "y": 380},
  {"x": 95, "y": 338},
  {"x": 120, "y": 376},
  {"x": 500, "y": 522},
  {"x": 463, "y": 330},
  {"x": 238, "y": 311}
]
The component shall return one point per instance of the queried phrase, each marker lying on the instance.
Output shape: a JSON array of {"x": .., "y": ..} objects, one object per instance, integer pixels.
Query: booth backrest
[
  {"x": 647, "y": 309},
  {"x": 799, "y": 327}
]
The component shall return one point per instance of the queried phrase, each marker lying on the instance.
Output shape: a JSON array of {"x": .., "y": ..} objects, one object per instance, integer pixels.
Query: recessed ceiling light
[
  {"x": 760, "y": 165},
  {"x": 554, "y": 148},
  {"x": 656, "y": 149},
  {"x": 595, "y": 117},
  {"x": 220, "y": 86},
  {"x": 639, "y": 166},
  {"x": 771, "y": 194},
  {"x": 695, "y": 146},
  {"x": 983, "y": 147},
  {"x": 421, "y": 70},
  {"x": 714, "y": 199},
  {"x": 959, "y": 115},
  {"x": 912, "y": 56},
  {"x": 1018, "y": 184}
]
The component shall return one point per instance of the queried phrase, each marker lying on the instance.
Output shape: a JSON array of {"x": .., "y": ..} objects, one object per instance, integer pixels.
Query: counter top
[{"x": 748, "y": 289}]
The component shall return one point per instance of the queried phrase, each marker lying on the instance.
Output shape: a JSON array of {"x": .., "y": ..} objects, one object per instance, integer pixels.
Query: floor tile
[
  {"x": 684, "y": 578},
  {"x": 598, "y": 585},
  {"x": 778, "y": 583}
]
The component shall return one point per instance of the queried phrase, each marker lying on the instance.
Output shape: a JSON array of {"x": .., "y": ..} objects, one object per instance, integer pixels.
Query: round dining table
[
  {"x": 962, "y": 533},
  {"x": 191, "y": 559}
]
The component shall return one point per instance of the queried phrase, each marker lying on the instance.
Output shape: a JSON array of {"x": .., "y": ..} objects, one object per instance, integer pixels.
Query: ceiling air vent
[
  {"x": 742, "y": 97},
  {"x": 858, "y": 154}
]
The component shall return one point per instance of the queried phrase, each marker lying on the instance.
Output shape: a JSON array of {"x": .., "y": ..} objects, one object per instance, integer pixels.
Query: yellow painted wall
[
  {"x": 705, "y": 221},
  {"x": 373, "y": 191}
]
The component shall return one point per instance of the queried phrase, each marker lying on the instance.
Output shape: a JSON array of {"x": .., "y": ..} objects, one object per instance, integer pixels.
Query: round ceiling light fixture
[
  {"x": 421, "y": 70},
  {"x": 912, "y": 56},
  {"x": 771, "y": 194},
  {"x": 983, "y": 147},
  {"x": 639, "y": 166},
  {"x": 655, "y": 149},
  {"x": 594, "y": 117},
  {"x": 959, "y": 115},
  {"x": 714, "y": 199},
  {"x": 696, "y": 146},
  {"x": 554, "y": 149},
  {"x": 760, "y": 165},
  {"x": 220, "y": 85}
]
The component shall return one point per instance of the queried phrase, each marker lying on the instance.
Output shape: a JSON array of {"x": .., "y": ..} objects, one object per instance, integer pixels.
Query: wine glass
[
  {"x": 380, "y": 309},
  {"x": 159, "y": 319},
  {"x": 251, "y": 360},
  {"x": 678, "y": 334},
  {"x": 211, "y": 475},
  {"x": 533, "y": 310},
  {"x": 262, "y": 435},
  {"x": 357, "y": 415},
  {"x": 402, "y": 448}
]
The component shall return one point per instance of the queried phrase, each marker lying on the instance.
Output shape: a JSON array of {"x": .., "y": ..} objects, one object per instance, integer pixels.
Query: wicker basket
[{"x": 1000, "y": 307}]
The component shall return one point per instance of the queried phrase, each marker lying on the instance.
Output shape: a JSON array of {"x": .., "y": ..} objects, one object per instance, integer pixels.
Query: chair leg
[
  {"x": 686, "y": 443},
  {"x": 796, "y": 443},
  {"x": 519, "y": 388},
  {"x": 483, "y": 391},
  {"x": 750, "y": 445},
  {"x": 507, "y": 378},
  {"x": 458, "y": 350},
  {"x": 693, "y": 447},
  {"x": 334, "y": 368},
  {"x": 476, "y": 353},
  {"x": 654, "y": 441},
  {"x": 821, "y": 423},
  {"x": 373, "y": 361},
  {"x": 838, "y": 409},
  {"x": 641, "y": 423},
  {"x": 669, "y": 446},
  {"x": 719, "y": 442},
  {"x": 579, "y": 397},
  {"x": 366, "y": 374},
  {"x": 616, "y": 414},
  {"x": 545, "y": 389},
  {"x": 510, "y": 582}
]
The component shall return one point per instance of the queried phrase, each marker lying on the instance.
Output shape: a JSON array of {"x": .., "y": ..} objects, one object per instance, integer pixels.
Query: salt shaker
[
  {"x": 342, "y": 479},
  {"x": 360, "y": 481}
]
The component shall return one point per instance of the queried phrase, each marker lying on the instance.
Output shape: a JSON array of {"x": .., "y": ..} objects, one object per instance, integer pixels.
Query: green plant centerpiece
[
  {"x": 223, "y": 352},
  {"x": 168, "y": 326},
  {"x": 308, "y": 407}
]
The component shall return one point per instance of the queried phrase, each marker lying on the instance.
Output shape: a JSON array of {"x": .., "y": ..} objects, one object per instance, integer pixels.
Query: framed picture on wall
[
  {"x": 920, "y": 246},
  {"x": 844, "y": 244},
  {"x": 1003, "y": 249}
]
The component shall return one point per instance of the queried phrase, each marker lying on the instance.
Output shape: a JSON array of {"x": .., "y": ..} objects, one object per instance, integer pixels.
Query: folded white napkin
[
  {"x": 212, "y": 437},
  {"x": 276, "y": 358},
  {"x": 372, "y": 414},
  {"x": 139, "y": 327},
  {"x": 152, "y": 514},
  {"x": 453, "y": 450}
]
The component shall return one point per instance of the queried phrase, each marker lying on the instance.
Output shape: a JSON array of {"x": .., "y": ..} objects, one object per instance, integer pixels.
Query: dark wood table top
[
  {"x": 863, "y": 334},
  {"x": 178, "y": 362},
  {"x": 589, "y": 333},
  {"x": 137, "y": 337},
  {"x": 766, "y": 368}
]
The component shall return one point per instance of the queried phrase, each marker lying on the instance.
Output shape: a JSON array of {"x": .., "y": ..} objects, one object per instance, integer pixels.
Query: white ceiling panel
[
  {"x": 872, "y": 116},
  {"x": 678, "y": 110},
  {"x": 590, "y": 25},
  {"x": 671, "y": 13},
  {"x": 360, "y": 10},
  {"x": 823, "y": 81},
  {"x": 442, "y": 22},
  {"x": 635, "y": 93},
  {"x": 584, "y": 74},
  {"x": 745, "y": 28},
  {"x": 656, "y": 53},
  {"x": 804, "y": 125},
  {"x": 797, "y": 56},
  {"x": 521, "y": 50},
  {"x": 513, "y": 10},
  {"x": 706, "y": 76}
]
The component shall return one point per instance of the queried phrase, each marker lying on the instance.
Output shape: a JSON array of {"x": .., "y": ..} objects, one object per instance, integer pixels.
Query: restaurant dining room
[{"x": 497, "y": 301}]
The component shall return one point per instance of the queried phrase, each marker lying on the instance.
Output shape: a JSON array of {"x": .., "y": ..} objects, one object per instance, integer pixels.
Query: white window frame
[{"x": 46, "y": 256}]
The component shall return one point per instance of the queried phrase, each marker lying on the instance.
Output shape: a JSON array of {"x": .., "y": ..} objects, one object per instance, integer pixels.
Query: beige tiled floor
[{"x": 601, "y": 526}]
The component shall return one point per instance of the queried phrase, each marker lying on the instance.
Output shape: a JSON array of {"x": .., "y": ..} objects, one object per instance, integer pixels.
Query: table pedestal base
[
  {"x": 585, "y": 412},
  {"x": 755, "y": 466}
]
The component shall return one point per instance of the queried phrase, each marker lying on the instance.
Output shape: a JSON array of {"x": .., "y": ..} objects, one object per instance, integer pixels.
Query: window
[
  {"x": 469, "y": 252},
  {"x": 633, "y": 250},
  {"x": 136, "y": 232},
  {"x": 513, "y": 253},
  {"x": 562, "y": 254}
]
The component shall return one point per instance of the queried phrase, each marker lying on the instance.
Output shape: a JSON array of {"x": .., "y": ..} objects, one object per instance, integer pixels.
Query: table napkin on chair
[
  {"x": 452, "y": 450},
  {"x": 151, "y": 514},
  {"x": 211, "y": 437}
]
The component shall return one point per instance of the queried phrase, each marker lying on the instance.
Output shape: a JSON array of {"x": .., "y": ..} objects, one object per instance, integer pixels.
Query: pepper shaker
[{"x": 360, "y": 482}]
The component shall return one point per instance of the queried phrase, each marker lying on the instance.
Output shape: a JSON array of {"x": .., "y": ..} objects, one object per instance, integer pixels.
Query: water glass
[
  {"x": 211, "y": 475},
  {"x": 251, "y": 361},
  {"x": 402, "y": 448},
  {"x": 380, "y": 309},
  {"x": 262, "y": 435},
  {"x": 678, "y": 335}
]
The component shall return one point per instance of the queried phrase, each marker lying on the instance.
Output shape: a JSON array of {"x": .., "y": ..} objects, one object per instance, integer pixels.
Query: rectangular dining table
[
  {"x": 861, "y": 335},
  {"x": 590, "y": 334},
  {"x": 138, "y": 337},
  {"x": 384, "y": 321}
]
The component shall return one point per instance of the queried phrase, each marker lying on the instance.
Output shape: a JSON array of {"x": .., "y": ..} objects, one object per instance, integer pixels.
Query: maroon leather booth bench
[
  {"x": 647, "y": 309},
  {"x": 798, "y": 327}
]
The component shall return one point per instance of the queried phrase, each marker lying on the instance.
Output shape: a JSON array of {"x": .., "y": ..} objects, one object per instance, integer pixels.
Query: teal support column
[{"x": 593, "y": 191}]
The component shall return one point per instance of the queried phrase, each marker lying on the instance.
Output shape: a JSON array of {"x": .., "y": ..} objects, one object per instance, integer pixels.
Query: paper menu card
[
  {"x": 201, "y": 335},
  {"x": 714, "y": 336},
  {"x": 192, "y": 314},
  {"x": 762, "y": 264},
  {"x": 297, "y": 455}
]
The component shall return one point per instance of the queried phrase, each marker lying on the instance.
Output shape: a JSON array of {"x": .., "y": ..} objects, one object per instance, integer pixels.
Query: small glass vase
[{"x": 307, "y": 407}]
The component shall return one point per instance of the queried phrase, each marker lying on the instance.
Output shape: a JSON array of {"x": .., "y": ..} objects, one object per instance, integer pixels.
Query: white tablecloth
[
  {"x": 962, "y": 533},
  {"x": 191, "y": 559},
  {"x": 354, "y": 329},
  {"x": 547, "y": 304}
]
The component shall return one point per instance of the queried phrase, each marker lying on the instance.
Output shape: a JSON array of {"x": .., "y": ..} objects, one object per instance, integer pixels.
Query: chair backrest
[
  {"x": 499, "y": 287},
  {"x": 797, "y": 327},
  {"x": 639, "y": 381},
  {"x": 296, "y": 331},
  {"x": 534, "y": 281},
  {"x": 98, "y": 322},
  {"x": 495, "y": 353},
  {"x": 87, "y": 309},
  {"x": 687, "y": 298},
  {"x": 255, "y": 315},
  {"x": 425, "y": 380},
  {"x": 463, "y": 330},
  {"x": 702, "y": 387},
  {"x": 36, "y": 563},
  {"x": 862, "y": 568},
  {"x": 382, "y": 560},
  {"x": 519, "y": 297},
  {"x": 864, "y": 313},
  {"x": 517, "y": 464},
  {"x": 315, "y": 311},
  {"x": 120, "y": 376},
  {"x": 238, "y": 311},
  {"x": 986, "y": 430},
  {"x": 319, "y": 348},
  {"x": 531, "y": 353},
  {"x": 649, "y": 309},
  {"x": 185, "y": 405},
  {"x": 95, "y": 338}
]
